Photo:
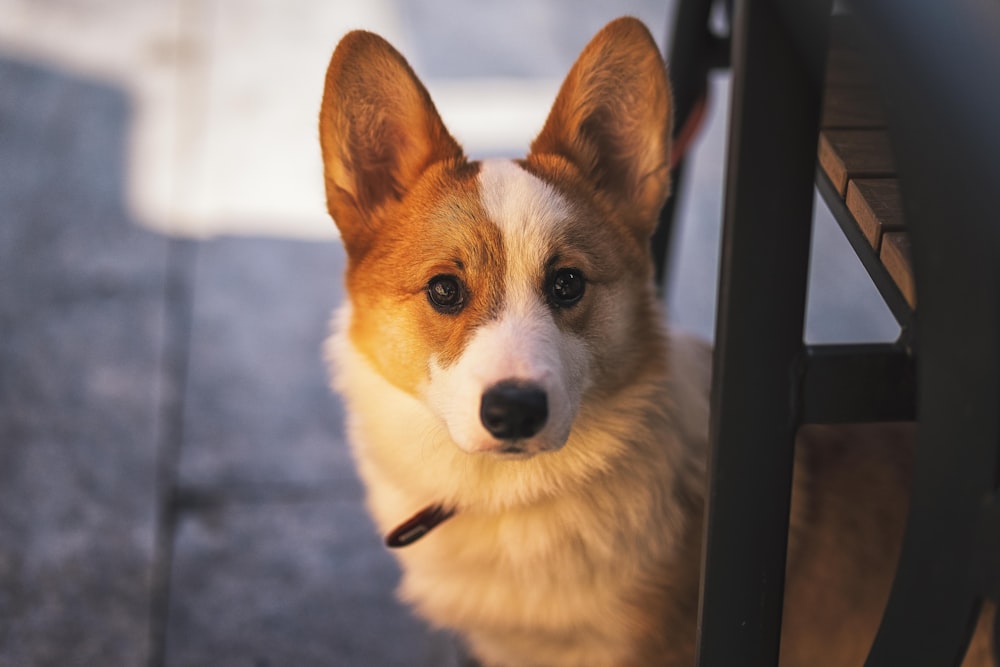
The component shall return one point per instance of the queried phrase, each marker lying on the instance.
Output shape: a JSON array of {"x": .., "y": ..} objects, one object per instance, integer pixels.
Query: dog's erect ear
[
  {"x": 379, "y": 131},
  {"x": 612, "y": 119}
]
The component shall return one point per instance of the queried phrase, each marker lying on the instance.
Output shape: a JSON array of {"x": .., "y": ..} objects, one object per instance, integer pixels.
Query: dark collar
[{"x": 417, "y": 526}]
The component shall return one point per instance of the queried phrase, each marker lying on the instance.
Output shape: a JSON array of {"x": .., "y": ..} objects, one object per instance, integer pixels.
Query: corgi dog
[{"x": 531, "y": 437}]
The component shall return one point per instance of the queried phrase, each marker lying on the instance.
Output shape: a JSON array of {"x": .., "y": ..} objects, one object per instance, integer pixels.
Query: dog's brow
[{"x": 528, "y": 212}]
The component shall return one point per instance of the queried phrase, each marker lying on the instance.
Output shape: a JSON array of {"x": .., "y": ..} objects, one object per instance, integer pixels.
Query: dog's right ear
[
  {"x": 378, "y": 130},
  {"x": 612, "y": 119}
]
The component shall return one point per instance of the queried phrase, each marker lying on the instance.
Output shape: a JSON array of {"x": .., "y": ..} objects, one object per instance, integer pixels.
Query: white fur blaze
[{"x": 524, "y": 343}]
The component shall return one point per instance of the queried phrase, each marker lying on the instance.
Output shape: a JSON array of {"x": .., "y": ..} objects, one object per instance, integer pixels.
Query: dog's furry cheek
[
  {"x": 393, "y": 342},
  {"x": 613, "y": 327}
]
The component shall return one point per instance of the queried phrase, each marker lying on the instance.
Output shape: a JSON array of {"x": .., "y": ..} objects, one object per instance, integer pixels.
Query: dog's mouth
[
  {"x": 512, "y": 448},
  {"x": 515, "y": 451},
  {"x": 520, "y": 449}
]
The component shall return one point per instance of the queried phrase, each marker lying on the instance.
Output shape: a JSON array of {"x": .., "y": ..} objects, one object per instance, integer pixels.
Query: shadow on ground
[{"x": 174, "y": 486}]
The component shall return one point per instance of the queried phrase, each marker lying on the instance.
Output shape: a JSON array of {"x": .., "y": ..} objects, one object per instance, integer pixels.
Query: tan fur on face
[
  {"x": 438, "y": 228},
  {"x": 618, "y": 266}
]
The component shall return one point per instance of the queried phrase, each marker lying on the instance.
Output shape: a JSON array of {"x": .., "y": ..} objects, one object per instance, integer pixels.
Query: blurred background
[{"x": 174, "y": 484}]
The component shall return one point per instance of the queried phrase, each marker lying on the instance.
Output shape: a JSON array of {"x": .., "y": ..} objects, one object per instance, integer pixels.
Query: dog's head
[{"x": 500, "y": 293}]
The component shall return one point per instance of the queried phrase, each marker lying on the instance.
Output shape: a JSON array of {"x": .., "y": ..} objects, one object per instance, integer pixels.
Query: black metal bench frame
[{"x": 945, "y": 371}]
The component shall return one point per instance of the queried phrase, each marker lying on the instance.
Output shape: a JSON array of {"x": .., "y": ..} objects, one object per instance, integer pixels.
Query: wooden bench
[{"x": 858, "y": 174}]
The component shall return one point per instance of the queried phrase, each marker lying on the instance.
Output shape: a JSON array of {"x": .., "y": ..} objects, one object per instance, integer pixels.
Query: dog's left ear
[{"x": 612, "y": 120}]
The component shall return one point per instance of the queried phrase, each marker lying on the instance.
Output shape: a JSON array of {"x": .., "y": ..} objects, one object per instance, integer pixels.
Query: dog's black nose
[{"x": 513, "y": 409}]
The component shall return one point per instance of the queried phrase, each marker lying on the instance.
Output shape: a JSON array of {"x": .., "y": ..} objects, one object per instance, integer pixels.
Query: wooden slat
[
  {"x": 876, "y": 206},
  {"x": 895, "y": 255},
  {"x": 850, "y": 154},
  {"x": 857, "y": 107},
  {"x": 855, "y": 154},
  {"x": 845, "y": 66}
]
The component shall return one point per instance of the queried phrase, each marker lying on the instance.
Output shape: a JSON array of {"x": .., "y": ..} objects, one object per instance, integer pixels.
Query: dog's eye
[
  {"x": 566, "y": 287},
  {"x": 446, "y": 294}
]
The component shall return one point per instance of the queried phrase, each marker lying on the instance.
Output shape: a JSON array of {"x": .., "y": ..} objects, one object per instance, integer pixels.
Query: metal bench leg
[{"x": 765, "y": 254}]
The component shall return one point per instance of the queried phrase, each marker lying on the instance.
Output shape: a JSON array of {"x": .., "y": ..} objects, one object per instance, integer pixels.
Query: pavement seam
[{"x": 179, "y": 297}]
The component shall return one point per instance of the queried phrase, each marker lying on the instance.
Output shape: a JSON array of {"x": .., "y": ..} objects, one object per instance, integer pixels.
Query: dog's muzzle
[{"x": 514, "y": 410}]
